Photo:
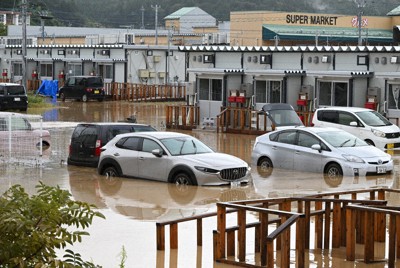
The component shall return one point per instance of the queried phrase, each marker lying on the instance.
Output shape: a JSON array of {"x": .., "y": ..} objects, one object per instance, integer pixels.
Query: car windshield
[
  {"x": 285, "y": 118},
  {"x": 184, "y": 146},
  {"x": 341, "y": 139},
  {"x": 373, "y": 119}
]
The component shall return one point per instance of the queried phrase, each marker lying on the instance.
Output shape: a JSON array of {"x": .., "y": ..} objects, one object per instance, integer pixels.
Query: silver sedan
[
  {"x": 170, "y": 157},
  {"x": 327, "y": 150}
]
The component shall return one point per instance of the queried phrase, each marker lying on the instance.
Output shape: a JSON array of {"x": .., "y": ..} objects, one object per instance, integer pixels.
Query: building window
[
  {"x": 210, "y": 89},
  {"x": 333, "y": 93},
  {"x": 74, "y": 69},
  {"x": 17, "y": 68},
  {"x": 46, "y": 70}
]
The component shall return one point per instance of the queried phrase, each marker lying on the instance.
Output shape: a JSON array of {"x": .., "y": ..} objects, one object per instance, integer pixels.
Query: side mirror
[
  {"x": 353, "y": 124},
  {"x": 157, "y": 152},
  {"x": 316, "y": 147}
]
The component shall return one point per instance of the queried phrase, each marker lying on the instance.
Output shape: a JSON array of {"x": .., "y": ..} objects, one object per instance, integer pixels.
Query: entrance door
[
  {"x": 210, "y": 97},
  {"x": 392, "y": 108}
]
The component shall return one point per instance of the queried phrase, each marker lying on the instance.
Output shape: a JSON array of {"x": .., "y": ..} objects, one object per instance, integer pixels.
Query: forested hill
[{"x": 128, "y": 13}]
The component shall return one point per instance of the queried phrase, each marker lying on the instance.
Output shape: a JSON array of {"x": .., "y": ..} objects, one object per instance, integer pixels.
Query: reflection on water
[{"x": 148, "y": 200}]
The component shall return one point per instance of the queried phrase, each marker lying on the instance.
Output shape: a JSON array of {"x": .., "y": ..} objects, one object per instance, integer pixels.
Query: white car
[
  {"x": 170, "y": 157},
  {"x": 325, "y": 150},
  {"x": 367, "y": 124}
]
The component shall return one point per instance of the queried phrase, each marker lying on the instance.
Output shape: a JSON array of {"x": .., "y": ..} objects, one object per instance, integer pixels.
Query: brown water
[{"x": 133, "y": 206}]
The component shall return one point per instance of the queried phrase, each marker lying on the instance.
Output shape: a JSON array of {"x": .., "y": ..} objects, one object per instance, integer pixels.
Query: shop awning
[
  {"x": 343, "y": 74},
  {"x": 215, "y": 71},
  {"x": 324, "y": 34}
]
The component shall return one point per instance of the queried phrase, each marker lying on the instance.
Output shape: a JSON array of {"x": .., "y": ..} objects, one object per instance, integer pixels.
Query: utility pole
[
  {"x": 156, "y": 7},
  {"x": 142, "y": 9},
  {"x": 360, "y": 4},
  {"x": 24, "y": 76}
]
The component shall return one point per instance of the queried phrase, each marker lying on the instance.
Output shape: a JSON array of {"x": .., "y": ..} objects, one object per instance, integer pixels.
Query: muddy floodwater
[{"x": 132, "y": 207}]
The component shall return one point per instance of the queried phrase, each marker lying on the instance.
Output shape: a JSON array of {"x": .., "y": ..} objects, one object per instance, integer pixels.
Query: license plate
[
  {"x": 380, "y": 169},
  {"x": 96, "y": 92},
  {"x": 390, "y": 146},
  {"x": 17, "y": 99}
]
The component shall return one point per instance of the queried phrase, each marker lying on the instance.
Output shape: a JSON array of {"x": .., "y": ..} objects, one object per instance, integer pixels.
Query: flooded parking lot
[{"x": 133, "y": 206}]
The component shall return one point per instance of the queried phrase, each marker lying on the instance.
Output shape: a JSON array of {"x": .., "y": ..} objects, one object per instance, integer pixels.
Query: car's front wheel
[
  {"x": 334, "y": 170},
  {"x": 110, "y": 172},
  {"x": 62, "y": 96},
  {"x": 264, "y": 167},
  {"x": 183, "y": 179}
]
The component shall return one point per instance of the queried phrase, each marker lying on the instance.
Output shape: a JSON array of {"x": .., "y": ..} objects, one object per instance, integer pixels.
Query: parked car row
[
  {"x": 140, "y": 151},
  {"x": 341, "y": 143}
]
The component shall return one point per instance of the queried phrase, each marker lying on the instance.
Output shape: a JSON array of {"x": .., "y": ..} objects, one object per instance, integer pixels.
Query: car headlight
[
  {"x": 206, "y": 170},
  {"x": 378, "y": 133},
  {"x": 353, "y": 158}
]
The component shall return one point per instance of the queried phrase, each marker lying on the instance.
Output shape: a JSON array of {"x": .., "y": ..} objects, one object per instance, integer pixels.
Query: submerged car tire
[
  {"x": 62, "y": 96},
  {"x": 334, "y": 170},
  {"x": 100, "y": 100},
  {"x": 84, "y": 98},
  {"x": 183, "y": 178},
  {"x": 110, "y": 172},
  {"x": 264, "y": 167}
]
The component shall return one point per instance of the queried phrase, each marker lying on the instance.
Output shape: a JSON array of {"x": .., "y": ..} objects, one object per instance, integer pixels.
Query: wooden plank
[
  {"x": 263, "y": 236},
  {"x": 318, "y": 226},
  {"x": 221, "y": 226},
  {"x": 369, "y": 237},
  {"x": 173, "y": 232},
  {"x": 230, "y": 243},
  {"x": 392, "y": 241},
  {"x": 336, "y": 225},
  {"x": 160, "y": 237},
  {"x": 285, "y": 247},
  {"x": 350, "y": 235},
  {"x": 242, "y": 235},
  {"x": 199, "y": 232},
  {"x": 398, "y": 236},
  {"x": 380, "y": 228},
  {"x": 270, "y": 254},
  {"x": 307, "y": 209},
  {"x": 327, "y": 229},
  {"x": 300, "y": 243}
]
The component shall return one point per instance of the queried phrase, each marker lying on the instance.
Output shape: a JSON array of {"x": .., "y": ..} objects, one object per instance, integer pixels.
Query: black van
[
  {"x": 83, "y": 88},
  {"x": 13, "y": 97},
  {"x": 88, "y": 138}
]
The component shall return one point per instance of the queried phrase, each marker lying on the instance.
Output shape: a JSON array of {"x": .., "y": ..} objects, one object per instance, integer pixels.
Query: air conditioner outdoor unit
[{"x": 143, "y": 73}]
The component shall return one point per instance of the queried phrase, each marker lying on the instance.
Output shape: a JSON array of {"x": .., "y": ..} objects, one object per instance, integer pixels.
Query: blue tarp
[{"x": 48, "y": 88}]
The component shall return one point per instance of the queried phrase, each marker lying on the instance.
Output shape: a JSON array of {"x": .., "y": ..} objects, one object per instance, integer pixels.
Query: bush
[{"x": 33, "y": 227}]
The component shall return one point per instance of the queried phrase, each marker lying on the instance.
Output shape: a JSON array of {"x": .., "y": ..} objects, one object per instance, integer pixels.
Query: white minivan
[{"x": 367, "y": 124}]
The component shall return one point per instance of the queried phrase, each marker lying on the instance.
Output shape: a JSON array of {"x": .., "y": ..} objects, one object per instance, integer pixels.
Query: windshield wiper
[{"x": 343, "y": 143}]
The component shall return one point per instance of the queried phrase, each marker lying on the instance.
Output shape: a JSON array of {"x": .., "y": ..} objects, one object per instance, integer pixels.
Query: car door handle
[
  {"x": 141, "y": 158},
  {"x": 297, "y": 152},
  {"x": 274, "y": 148},
  {"x": 116, "y": 154}
]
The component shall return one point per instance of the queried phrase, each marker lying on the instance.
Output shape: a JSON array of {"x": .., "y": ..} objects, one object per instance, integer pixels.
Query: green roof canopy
[{"x": 337, "y": 34}]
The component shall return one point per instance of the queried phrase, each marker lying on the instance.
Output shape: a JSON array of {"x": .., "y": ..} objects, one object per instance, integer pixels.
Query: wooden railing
[
  {"x": 143, "y": 92},
  {"x": 248, "y": 121},
  {"x": 338, "y": 222},
  {"x": 182, "y": 116}
]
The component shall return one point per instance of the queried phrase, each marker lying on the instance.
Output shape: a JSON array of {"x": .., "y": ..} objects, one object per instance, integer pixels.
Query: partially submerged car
[
  {"x": 17, "y": 134},
  {"x": 281, "y": 115},
  {"x": 88, "y": 138},
  {"x": 325, "y": 150},
  {"x": 170, "y": 157}
]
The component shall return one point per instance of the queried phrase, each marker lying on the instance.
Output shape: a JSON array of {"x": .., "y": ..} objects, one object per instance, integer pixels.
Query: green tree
[
  {"x": 3, "y": 30},
  {"x": 33, "y": 227}
]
